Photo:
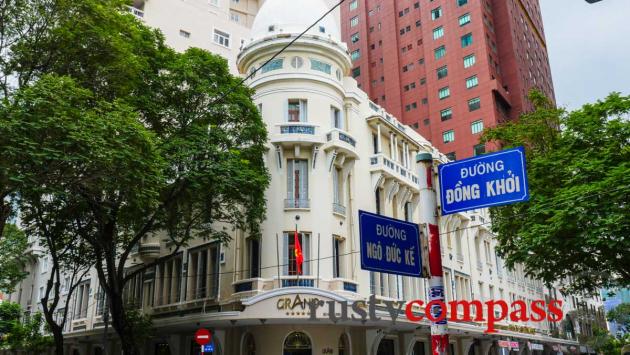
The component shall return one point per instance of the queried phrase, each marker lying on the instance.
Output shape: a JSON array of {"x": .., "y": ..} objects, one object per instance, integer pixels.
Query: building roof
[{"x": 293, "y": 17}]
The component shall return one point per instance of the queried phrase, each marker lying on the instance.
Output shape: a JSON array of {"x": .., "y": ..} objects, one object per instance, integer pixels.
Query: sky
[{"x": 589, "y": 49}]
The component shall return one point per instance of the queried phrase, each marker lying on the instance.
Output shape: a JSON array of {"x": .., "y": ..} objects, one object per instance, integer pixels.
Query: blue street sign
[
  {"x": 389, "y": 245},
  {"x": 208, "y": 348},
  {"x": 488, "y": 180}
]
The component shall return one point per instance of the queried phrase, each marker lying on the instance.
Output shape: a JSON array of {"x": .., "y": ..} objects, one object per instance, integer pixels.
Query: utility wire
[{"x": 251, "y": 74}]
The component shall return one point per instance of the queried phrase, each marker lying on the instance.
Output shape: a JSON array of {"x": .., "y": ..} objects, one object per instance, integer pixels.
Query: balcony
[
  {"x": 341, "y": 141},
  {"x": 339, "y": 209},
  {"x": 291, "y": 133},
  {"x": 381, "y": 163},
  {"x": 297, "y": 203},
  {"x": 149, "y": 250},
  {"x": 136, "y": 12}
]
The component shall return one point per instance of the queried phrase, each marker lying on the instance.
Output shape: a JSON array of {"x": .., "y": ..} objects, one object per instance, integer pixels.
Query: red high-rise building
[{"x": 448, "y": 68}]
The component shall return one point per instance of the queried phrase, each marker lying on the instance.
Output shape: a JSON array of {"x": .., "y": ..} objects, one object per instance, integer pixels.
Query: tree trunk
[
  {"x": 125, "y": 331},
  {"x": 58, "y": 338}
]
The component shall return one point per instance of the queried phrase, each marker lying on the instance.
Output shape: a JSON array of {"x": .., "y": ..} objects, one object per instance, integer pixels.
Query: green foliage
[
  {"x": 13, "y": 244},
  {"x": 604, "y": 343},
  {"x": 576, "y": 223},
  {"x": 620, "y": 315},
  {"x": 21, "y": 334}
]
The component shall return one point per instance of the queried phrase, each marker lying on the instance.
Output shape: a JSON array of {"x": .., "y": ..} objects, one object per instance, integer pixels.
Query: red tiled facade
[{"x": 396, "y": 47}]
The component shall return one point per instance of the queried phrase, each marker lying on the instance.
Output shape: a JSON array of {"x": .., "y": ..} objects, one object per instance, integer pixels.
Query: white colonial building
[{"x": 331, "y": 153}]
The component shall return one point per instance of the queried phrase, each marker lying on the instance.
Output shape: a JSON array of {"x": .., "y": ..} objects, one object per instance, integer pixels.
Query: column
[{"x": 378, "y": 138}]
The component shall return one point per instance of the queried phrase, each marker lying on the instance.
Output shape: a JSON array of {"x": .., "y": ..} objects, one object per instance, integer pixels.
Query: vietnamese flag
[{"x": 299, "y": 258}]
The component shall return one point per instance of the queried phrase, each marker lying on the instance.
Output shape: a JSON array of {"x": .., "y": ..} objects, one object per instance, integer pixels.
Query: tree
[
  {"x": 576, "y": 224},
  {"x": 131, "y": 141},
  {"x": 21, "y": 332},
  {"x": 621, "y": 316},
  {"x": 12, "y": 259}
]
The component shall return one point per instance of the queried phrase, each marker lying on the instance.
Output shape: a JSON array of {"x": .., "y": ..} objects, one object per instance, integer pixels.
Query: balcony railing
[
  {"x": 136, "y": 12},
  {"x": 297, "y": 129},
  {"x": 297, "y": 132},
  {"x": 297, "y": 203},
  {"x": 395, "y": 169},
  {"x": 339, "y": 209}
]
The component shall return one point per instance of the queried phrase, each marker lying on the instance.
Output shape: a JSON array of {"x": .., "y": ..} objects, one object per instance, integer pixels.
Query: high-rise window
[
  {"x": 448, "y": 136},
  {"x": 439, "y": 52},
  {"x": 436, "y": 13},
  {"x": 356, "y": 54},
  {"x": 444, "y": 92},
  {"x": 354, "y": 4},
  {"x": 479, "y": 149},
  {"x": 472, "y": 82},
  {"x": 469, "y": 61},
  {"x": 464, "y": 19},
  {"x": 451, "y": 156},
  {"x": 222, "y": 38},
  {"x": 442, "y": 72},
  {"x": 462, "y": 2},
  {"x": 297, "y": 110},
  {"x": 356, "y": 72},
  {"x": 474, "y": 104},
  {"x": 335, "y": 116},
  {"x": 467, "y": 40},
  {"x": 321, "y": 66},
  {"x": 297, "y": 183},
  {"x": 354, "y": 21},
  {"x": 476, "y": 127},
  {"x": 253, "y": 256},
  {"x": 438, "y": 32},
  {"x": 446, "y": 114},
  {"x": 354, "y": 38}
]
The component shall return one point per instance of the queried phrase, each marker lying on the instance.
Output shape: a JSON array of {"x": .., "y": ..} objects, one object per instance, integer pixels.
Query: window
[
  {"x": 444, "y": 92},
  {"x": 335, "y": 116},
  {"x": 446, "y": 114},
  {"x": 354, "y": 21},
  {"x": 479, "y": 149},
  {"x": 462, "y": 2},
  {"x": 354, "y": 38},
  {"x": 273, "y": 65},
  {"x": 469, "y": 61},
  {"x": 356, "y": 54},
  {"x": 448, "y": 136},
  {"x": 418, "y": 23},
  {"x": 436, "y": 13},
  {"x": 82, "y": 296},
  {"x": 451, "y": 156},
  {"x": 253, "y": 257},
  {"x": 214, "y": 2},
  {"x": 235, "y": 17},
  {"x": 289, "y": 265},
  {"x": 442, "y": 72},
  {"x": 423, "y": 81},
  {"x": 222, "y": 38},
  {"x": 321, "y": 66},
  {"x": 472, "y": 82},
  {"x": 464, "y": 19},
  {"x": 356, "y": 72},
  {"x": 297, "y": 62},
  {"x": 337, "y": 190},
  {"x": 337, "y": 253},
  {"x": 184, "y": 34},
  {"x": 353, "y": 4},
  {"x": 476, "y": 127},
  {"x": 297, "y": 184},
  {"x": 439, "y": 52},
  {"x": 297, "y": 110},
  {"x": 467, "y": 40},
  {"x": 322, "y": 29},
  {"x": 438, "y": 32},
  {"x": 474, "y": 104}
]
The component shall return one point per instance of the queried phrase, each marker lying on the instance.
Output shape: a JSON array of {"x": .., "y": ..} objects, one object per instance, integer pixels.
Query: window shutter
[
  {"x": 290, "y": 179},
  {"x": 303, "y": 107},
  {"x": 285, "y": 254},
  {"x": 335, "y": 177},
  {"x": 303, "y": 169},
  {"x": 306, "y": 251}
]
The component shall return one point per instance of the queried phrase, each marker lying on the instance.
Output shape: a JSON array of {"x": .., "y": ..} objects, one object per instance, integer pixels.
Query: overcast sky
[{"x": 589, "y": 48}]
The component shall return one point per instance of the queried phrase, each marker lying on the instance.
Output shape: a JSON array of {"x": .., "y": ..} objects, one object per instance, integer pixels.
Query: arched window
[
  {"x": 297, "y": 343},
  {"x": 344, "y": 345},
  {"x": 249, "y": 345},
  {"x": 418, "y": 348}
]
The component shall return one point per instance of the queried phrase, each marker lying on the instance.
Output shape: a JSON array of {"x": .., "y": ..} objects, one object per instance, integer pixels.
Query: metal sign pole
[{"x": 429, "y": 215}]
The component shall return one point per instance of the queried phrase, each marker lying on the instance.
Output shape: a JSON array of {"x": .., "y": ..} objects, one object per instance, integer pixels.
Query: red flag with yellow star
[{"x": 299, "y": 258}]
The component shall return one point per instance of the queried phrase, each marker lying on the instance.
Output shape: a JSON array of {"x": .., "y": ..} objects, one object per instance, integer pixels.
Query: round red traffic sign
[{"x": 203, "y": 336}]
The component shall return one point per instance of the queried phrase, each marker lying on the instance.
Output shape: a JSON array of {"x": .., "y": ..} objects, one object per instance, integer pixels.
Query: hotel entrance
[{"x": 297, "y": 343}]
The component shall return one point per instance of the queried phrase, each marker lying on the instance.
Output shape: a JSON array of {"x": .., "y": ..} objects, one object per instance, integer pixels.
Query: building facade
[
  {"x": 332, "y": 152},
  {"x": 448, "y": 68}
]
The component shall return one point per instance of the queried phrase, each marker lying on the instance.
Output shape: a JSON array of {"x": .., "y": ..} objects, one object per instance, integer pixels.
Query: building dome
[{"x": 292, "y": 17}]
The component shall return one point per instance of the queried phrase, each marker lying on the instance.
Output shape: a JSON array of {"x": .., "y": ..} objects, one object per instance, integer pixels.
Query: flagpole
[
  {"x": 318, "y": 249},
  {"x": 278, "y": 261}
]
